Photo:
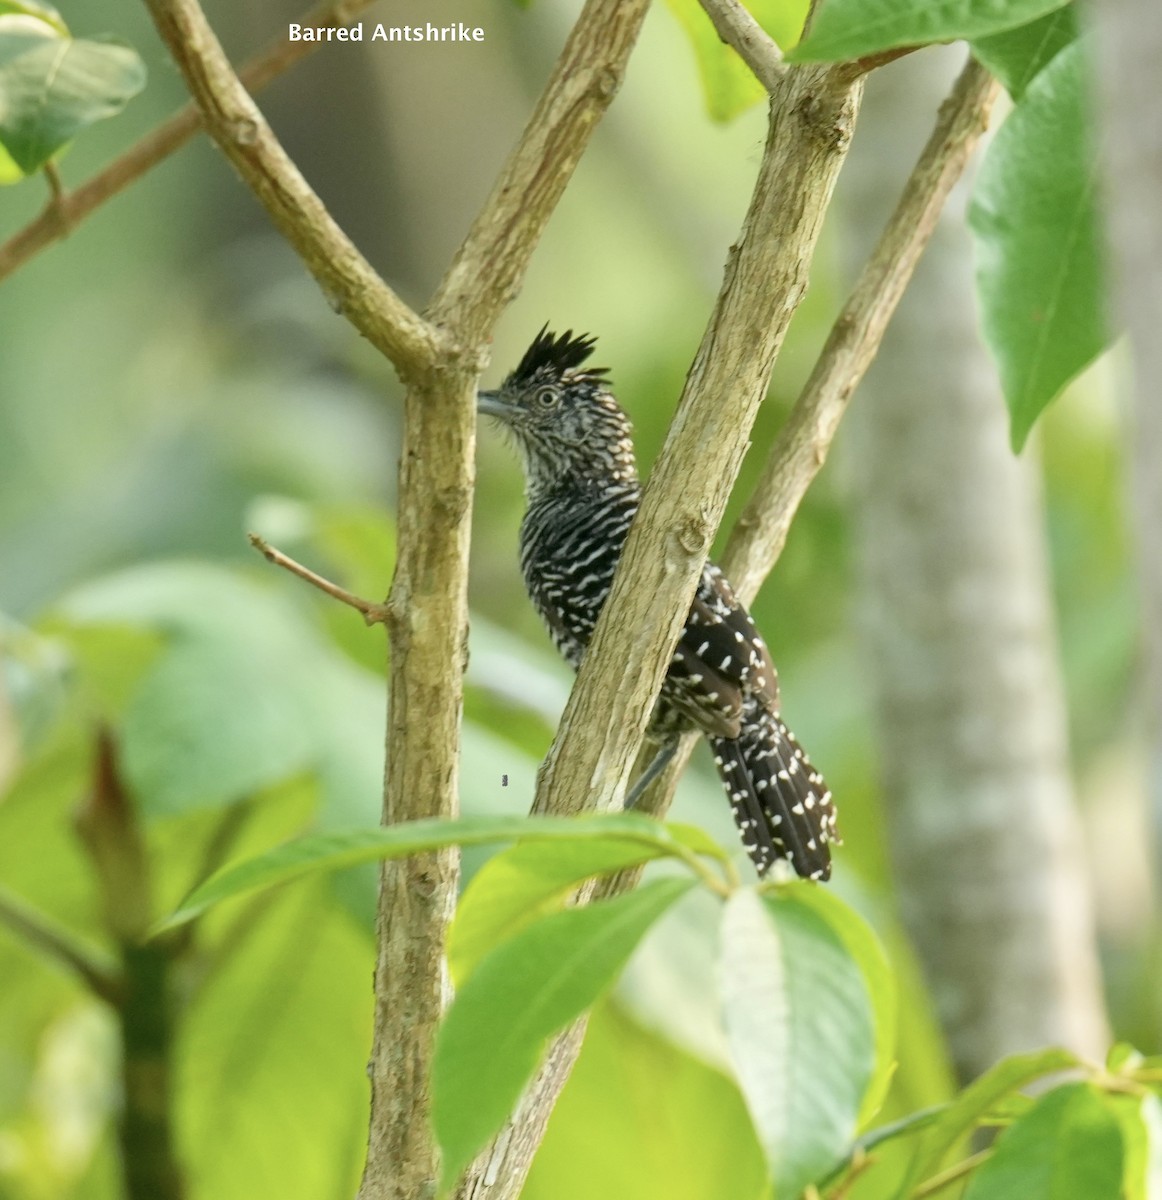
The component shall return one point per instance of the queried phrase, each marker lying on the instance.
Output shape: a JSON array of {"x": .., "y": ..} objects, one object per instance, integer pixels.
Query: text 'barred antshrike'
[{"x": 583, "y": 492}]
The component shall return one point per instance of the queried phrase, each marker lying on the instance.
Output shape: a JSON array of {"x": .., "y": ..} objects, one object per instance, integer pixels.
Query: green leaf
[
  {"x": 666, "y": 1124},
  {"x": 729, "y": 84},
  {"x": 846, "y": 29},
  {"x": 235, "y": 701},
  {"x": 34, "y": 8},
  {"x": 1140, "y": 1118},
  {"x": 165, "y": 754},
  {"x": 1017, "y": 56},
  {"x": 54, "y": 86},
  {"x": 1038, "y": 243},
  {"x": 975, "y": 1102},
  {"x": 523, "y": 993},
  {"x": 270, "y": 1088},
  {"x": 9, "y": 171},
  {"x": 1068, "y": 1147},
  {"x": 1123, "y": 1058},
  {"x": 860, "y": 941},
  {"x": 800, "y": 1025},
  {"x": 523, "y": 884},
  {"x": 330, "y": 852}
]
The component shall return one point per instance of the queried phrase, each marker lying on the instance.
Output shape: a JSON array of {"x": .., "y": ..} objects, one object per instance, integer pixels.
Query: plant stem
[{"x": 937, "y": 1183}]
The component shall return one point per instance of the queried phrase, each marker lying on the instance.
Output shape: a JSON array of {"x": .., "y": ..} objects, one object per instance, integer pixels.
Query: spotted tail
[{"x": 780, "y": 803}]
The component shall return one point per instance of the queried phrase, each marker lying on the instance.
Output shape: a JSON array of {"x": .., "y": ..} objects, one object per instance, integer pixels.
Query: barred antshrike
[{"x": 583, "y": 492}]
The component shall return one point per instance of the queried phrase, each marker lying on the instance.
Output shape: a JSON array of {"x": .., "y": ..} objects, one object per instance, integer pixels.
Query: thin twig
[
  {"x": 801, "y": 448},
  {"x": 859, "y": 1164},
  {"x": 860, "y": 1153},
  {"x": 373, "y": 614},
  {"x": 68, "y": 209},
  {"x": 54, "y": 181},
  {"x": 97, "y": 971},
  {"x": 863, "y": 66},
  {"x": 738, "y": 29},
  {"x": 937, "y": 1183},
  {"x": 235, "y": 123}
]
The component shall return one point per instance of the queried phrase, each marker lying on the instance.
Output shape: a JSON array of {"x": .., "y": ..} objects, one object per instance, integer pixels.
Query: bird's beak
[{"x": 491, "y": 404}]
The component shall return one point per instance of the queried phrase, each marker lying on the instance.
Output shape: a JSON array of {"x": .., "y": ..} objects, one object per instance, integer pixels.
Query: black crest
[{"x": 556, "y": 355}]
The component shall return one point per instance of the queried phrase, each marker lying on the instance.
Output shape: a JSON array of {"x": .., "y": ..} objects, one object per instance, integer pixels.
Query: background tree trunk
[
  {"x": 959, "y": 633},
  {"x": 1130, "y": 41}
]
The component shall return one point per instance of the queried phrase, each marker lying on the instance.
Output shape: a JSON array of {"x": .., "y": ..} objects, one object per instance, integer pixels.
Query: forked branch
[{"x": 738, "y": 29}]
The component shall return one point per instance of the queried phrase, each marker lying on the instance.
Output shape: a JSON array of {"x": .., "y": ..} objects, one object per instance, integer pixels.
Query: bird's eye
[{"x": 546, "y": 397}]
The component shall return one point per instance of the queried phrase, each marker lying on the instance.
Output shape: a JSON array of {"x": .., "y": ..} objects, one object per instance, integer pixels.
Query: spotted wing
[{"x": 720, "y": 660}]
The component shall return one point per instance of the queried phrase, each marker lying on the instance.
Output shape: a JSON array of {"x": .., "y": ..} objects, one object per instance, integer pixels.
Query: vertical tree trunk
[
  {"x": 959, "y": 632},
  {"x": 1130, "y": 40}
]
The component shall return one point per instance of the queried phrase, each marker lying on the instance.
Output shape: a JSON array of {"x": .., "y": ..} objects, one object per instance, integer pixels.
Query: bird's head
[{"x": 566, "y": 422}]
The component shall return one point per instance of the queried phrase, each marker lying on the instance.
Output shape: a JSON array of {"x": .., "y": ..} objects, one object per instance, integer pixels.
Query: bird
[{"x": 582, "y": 492}]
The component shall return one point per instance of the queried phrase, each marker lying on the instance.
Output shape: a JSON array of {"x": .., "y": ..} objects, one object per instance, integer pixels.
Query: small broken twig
[{"x": 373, "y": 614}]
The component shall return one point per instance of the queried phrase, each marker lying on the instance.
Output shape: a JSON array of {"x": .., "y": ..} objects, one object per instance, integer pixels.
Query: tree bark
[
  {"x": 959, "y": 629},
  {"x": 1130, "y": 42},
  {"x": 812, "y": 115}
]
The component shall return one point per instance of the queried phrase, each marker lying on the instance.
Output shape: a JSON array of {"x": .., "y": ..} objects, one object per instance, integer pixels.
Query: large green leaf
[
  {"x": 852, "y": 28},
  {"x": 641, "y": 1120},
  {"x": 1067, "y": 1147},
  {"x": 330, "y": 852},
  {"x": 524, "y": 992},
  {"x": 1018, "y": 55},
  {"x": 1038, "y": 242},
  {"x": 800, "y": 1024},
  {"x": 234, "y": 703},
  {"x": 522, "y": 884},
  {"x": 271, "y": 1091},
  {"x": 54, "y": 86},
  {"x": 729, "y": 84},
  {"x": 864, "y": 947},
  {"x": 975, "y": 1102}
]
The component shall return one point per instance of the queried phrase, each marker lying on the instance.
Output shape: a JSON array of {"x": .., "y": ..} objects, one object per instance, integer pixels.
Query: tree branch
[
  {"x": 811, "y": 120},
  {"x": 426, "y": 613},
  {"x": 428, "y": 606},
  {"x": 801, "y": 448},
  {"x": 758, "y": 539},
  {"x": 373, "y": 614},
  {"x": 68, "y": 209},
  {"x": 235, "y": 123},
  {"x": 765, "y": 278},
  {"x": 738, "y": 29}
]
